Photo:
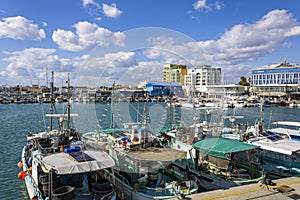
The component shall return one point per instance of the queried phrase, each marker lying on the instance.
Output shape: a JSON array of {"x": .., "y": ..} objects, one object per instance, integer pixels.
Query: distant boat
[{"x": 268, "y": 103}]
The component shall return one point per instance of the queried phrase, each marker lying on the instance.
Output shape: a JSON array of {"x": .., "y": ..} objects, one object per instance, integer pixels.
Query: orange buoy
[
  {"x": 20, "y": 164},
  {"x": 22, "y": 175}
]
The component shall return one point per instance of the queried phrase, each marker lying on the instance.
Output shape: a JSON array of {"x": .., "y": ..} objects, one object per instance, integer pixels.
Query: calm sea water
[{"x": 18, "y": 119}]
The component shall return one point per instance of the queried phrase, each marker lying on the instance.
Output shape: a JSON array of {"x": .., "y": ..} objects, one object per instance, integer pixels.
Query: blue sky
[{"x": 99, "y": 42}]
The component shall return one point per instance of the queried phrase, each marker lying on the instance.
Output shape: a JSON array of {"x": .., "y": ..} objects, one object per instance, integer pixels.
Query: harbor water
[{"x": 16, "y": 120}]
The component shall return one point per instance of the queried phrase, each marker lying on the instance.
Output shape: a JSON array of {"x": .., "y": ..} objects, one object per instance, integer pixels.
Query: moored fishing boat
[
  {"x": 57, "y": 166},
  {"x": 222, "y": 163},
  {"x": 147, "y": 173},
  {"x": 288, "y": 129},
  {"x": 280, "y": 156},
  {"x": 143, "y": 169}
]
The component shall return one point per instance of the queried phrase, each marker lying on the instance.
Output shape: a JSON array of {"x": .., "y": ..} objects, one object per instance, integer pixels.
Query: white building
[
  {"x": 220, "y": 91},
  {"x": 198, "y": 78},
  {"x": 277, "y": 80}
]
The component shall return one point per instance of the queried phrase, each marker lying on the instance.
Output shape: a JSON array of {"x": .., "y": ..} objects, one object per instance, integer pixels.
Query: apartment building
[
  {"x": 198, "y": 78},
  {"x": 174, "y": 73}
]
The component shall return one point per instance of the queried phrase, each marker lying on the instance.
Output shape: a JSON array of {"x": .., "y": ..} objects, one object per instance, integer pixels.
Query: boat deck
[
  {"x": 287, "y": 188},
  {"x": 283, "y": 131}
]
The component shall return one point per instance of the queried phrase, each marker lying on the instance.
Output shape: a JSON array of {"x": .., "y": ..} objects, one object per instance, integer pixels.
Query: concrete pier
[{"x": 287, "y": 188}]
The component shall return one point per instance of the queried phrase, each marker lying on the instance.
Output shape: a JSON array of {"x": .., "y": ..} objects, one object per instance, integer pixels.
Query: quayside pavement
[{"x": 285, "y": 189}]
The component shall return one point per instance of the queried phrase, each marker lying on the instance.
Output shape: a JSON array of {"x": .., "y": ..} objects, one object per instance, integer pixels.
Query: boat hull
[
  {"x": 29, "y": 181},
  {"x": 126, "y": 191}
]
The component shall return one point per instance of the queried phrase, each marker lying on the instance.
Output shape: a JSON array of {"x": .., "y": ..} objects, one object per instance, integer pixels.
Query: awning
[
  {"x": 222, "y": 147},
  {"x": 64, "y": 163}
]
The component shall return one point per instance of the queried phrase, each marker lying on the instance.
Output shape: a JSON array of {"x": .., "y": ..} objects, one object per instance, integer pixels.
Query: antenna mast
[
  {"x": 69, "y": 107},
  {"x": 51, "y": 101}
]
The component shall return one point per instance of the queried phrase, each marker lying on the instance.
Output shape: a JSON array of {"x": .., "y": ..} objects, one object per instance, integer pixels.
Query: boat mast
[
  {"x": 112, "y": 106},
  {"x": 261, "y": 124},
  {"x": 69, "y": 108},
  {"x": 51, "y": 101},
  {"x": 171, "y": 106}
]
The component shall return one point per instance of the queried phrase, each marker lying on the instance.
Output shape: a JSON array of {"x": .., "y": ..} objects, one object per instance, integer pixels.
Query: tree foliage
[{"x": 243, "y": 81}]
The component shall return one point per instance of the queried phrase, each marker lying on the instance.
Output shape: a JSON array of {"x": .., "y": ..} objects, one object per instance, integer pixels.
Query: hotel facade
[{"x": 277, "y": 80}]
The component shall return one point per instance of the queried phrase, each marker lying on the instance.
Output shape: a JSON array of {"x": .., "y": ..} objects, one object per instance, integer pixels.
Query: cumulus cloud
[
  {"x": 85, "y": 3},
  {"x": 111, "y": 10},
  {"x": 234, "y": 51},
  {"x": 31, "y": 63},
  {"x": 242, "y": 42},
  {"x": 218, "y": 5},
  {"x": 108, "y": 67},
  {"x": 20, "y": 28},
  {"x": 203, "y": 5},
  {"x": 87, "y": 36},
  {"x": 200, "y": 4},
  {"x": 247, "y": 42}
]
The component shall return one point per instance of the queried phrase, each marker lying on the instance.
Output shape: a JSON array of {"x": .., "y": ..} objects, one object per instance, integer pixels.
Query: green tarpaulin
[{"x": 221, "y": 147}]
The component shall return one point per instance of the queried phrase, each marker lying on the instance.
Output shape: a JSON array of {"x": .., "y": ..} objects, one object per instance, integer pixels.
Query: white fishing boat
[
  {"x": 289, "y": 129},
  {"x": 280, "y": 156},
  {"x": 57, "y": 166}
]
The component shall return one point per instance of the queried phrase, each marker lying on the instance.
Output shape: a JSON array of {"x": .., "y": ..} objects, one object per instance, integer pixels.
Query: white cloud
[
  {"x": 20, "y": 28},
  {"x": 111, "y": 10},
  {"x": 85, "y": 3},
  {"x": 121, "y": 68},
  {"x": 30, "y": 64},
  {"x": 44, "y": 24},
  {"x": 98, "y": 18},
  {"x": 87, "y": 36},
  {"x": 242, "y": 43},
  {"x": 218, "y": 5},
  {"x": 246, "y": 42},
  {"x": 203, "y": 5},
  {"x": 106, "y": 68}
]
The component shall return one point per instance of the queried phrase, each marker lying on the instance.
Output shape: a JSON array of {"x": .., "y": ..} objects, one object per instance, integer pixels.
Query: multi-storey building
[
  {"x": 174, "y": 73},
  {"x": 277, "y": 80},
  {"x": 198, "y": 78}
]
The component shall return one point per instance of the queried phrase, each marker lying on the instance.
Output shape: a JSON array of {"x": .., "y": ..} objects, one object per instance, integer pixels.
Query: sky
[{"x": 126, "y": 42}]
